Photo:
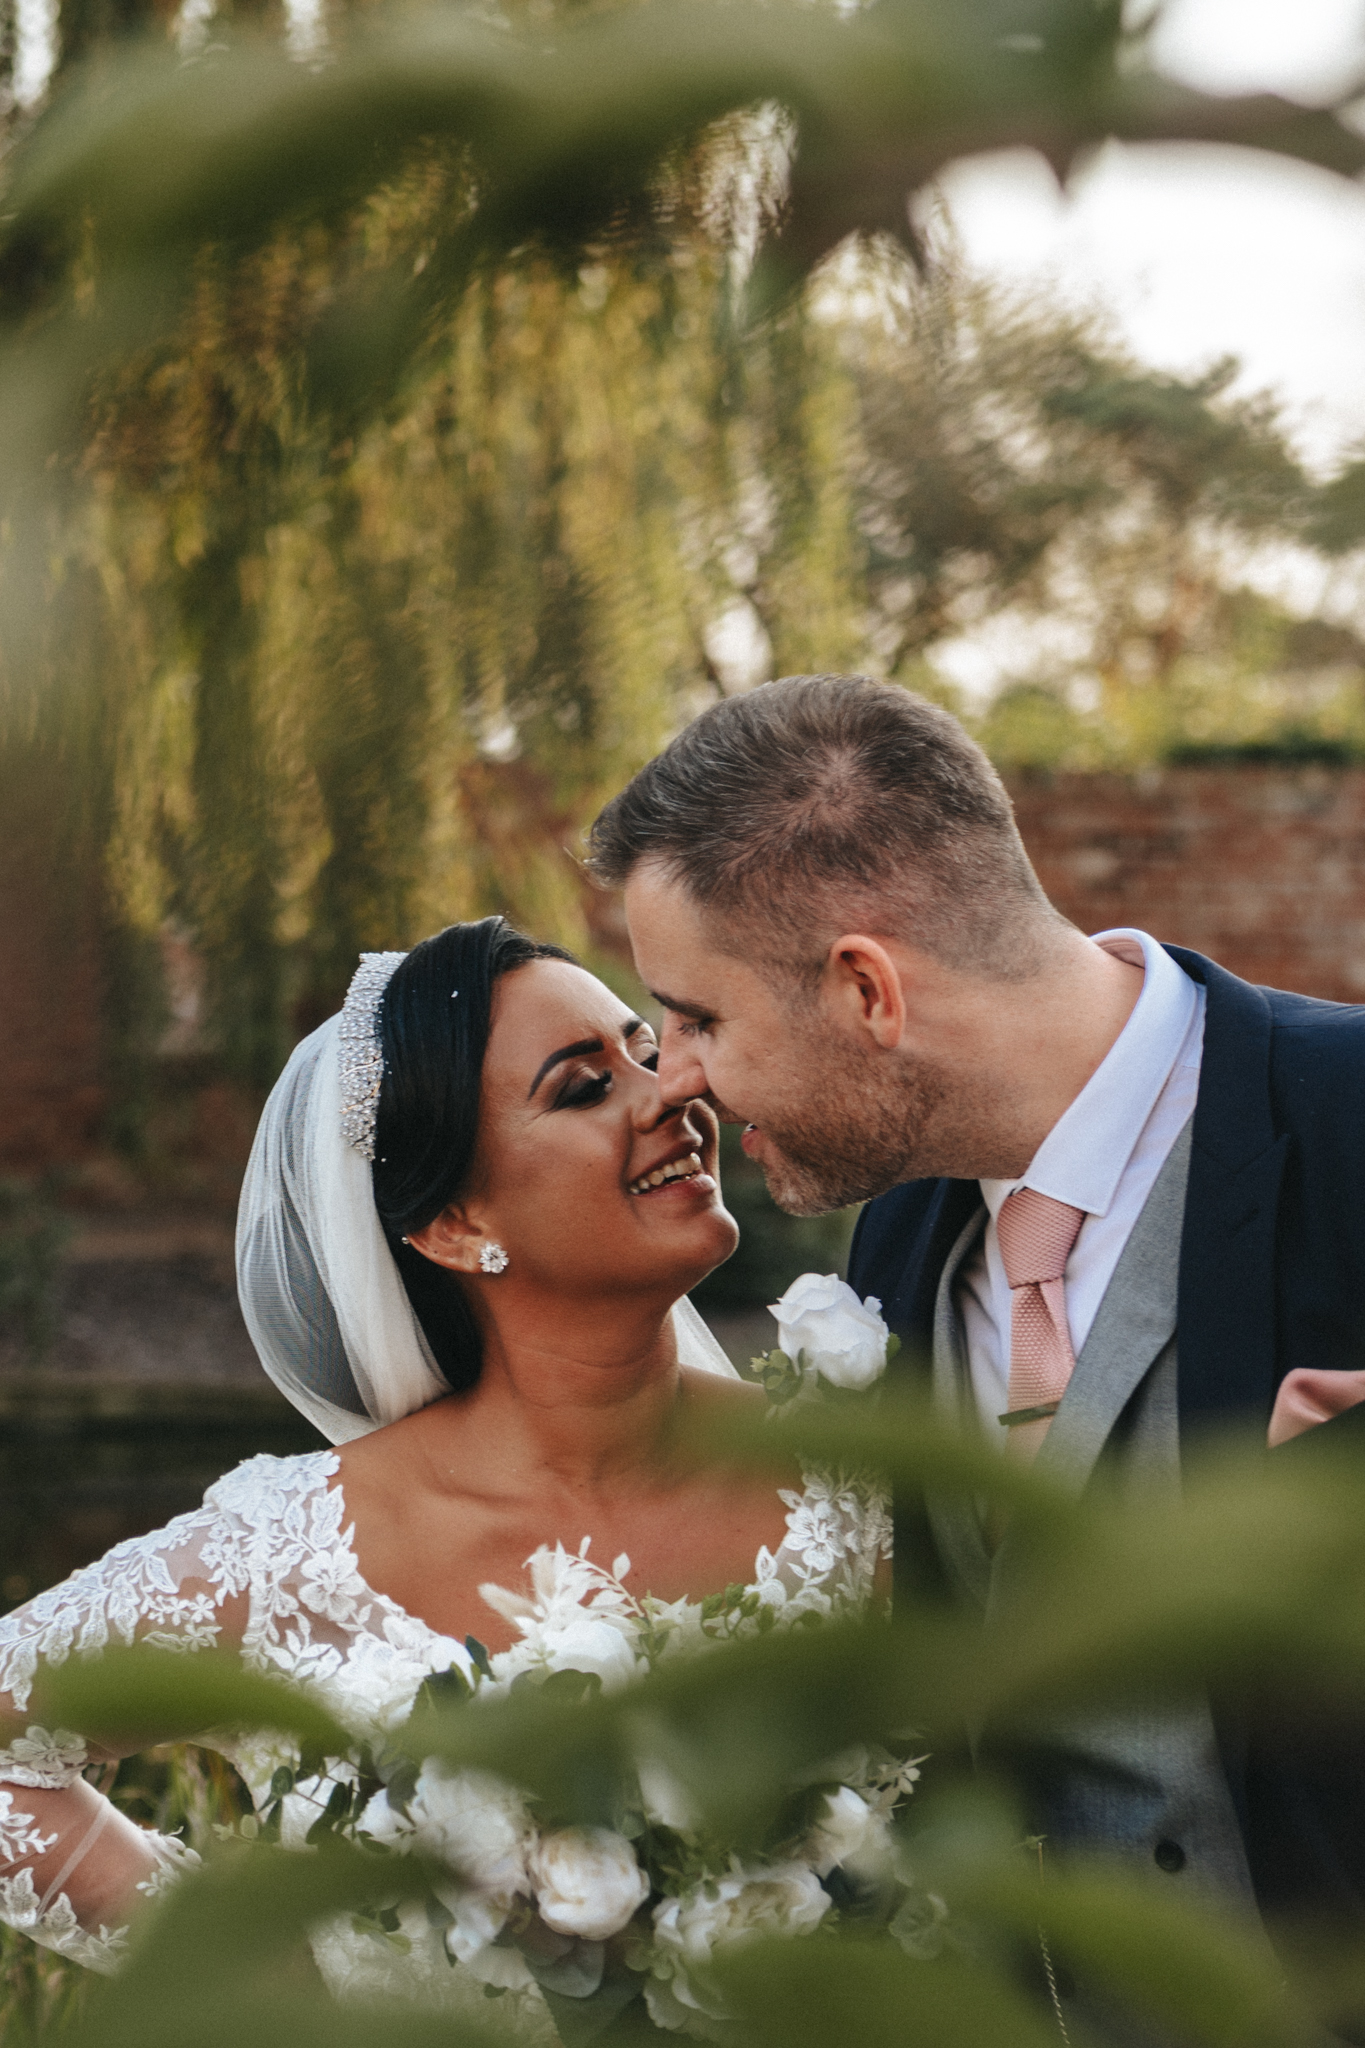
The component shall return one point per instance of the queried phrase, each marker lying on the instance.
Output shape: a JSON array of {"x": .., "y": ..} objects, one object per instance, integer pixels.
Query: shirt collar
[{"x": 1083, "y": 1156}]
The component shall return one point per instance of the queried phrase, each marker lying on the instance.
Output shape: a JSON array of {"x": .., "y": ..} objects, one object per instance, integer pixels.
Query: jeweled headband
[{"x": 359, "y": 1056}]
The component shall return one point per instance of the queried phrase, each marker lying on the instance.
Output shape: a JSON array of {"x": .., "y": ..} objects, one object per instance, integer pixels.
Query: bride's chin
[
  {"x": 725, "y": 1239},
  {"x": 699, "y": 1246}
]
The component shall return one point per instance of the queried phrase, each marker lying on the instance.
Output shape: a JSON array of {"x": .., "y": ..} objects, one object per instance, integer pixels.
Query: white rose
[
  {"x": 666, "y": 1800},
  {"x": 476, "y": 1921},
  {"x": 587, "y": 1881},
  {"x": 505, "y": 1968},
  {"x": 475, "y": 1824},
  {"x": 671, "y": 2016},
  {"x": 385, "y": 1823},
  {"x": 844, "y": 1339},
  {"x": 848, "y": 1835},
  {"x": 762, "y": 1902},
  {"x": 583, "y": 1643}
]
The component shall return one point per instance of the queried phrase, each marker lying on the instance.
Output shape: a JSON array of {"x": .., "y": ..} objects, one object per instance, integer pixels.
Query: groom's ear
[
  {"x": 453, "y": 1240},
  {"x": 865, "y": 985}
]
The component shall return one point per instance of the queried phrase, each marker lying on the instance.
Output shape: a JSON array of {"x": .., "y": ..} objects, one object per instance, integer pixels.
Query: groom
[{"x": 1081, "y": 1156}]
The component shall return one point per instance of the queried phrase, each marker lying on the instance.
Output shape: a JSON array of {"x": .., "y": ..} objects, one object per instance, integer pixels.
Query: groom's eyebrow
[
  {"x": 576, "y": 1051},
  {"x": 698, "y": 1012}
]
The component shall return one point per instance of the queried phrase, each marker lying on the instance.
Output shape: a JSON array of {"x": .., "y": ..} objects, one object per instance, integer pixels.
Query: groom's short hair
[{"x": 828, "y": 803}]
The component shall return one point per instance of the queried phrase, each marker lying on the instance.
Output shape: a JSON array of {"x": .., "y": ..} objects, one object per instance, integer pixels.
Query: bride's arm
[{"x": 73, "y": 1869}]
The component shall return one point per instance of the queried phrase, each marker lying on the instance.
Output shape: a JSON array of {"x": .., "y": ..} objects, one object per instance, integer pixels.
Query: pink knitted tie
[{"x": 1036, "y": 1234}]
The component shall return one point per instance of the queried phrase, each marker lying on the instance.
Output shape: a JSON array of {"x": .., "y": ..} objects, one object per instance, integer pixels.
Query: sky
[{"x": 1201, "y": 252}]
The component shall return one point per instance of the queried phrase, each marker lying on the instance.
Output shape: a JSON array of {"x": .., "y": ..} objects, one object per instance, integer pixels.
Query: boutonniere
[{"x": 830, "y": 1342}]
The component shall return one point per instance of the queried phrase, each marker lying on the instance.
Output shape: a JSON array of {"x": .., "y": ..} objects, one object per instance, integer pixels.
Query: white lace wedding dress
[{"x": 267, "y": 1564}]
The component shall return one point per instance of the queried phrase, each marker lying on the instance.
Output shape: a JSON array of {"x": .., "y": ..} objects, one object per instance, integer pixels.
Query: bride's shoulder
[
  {"x": 714, "y": 1388},
  {"x": 265, "y": 1486}
]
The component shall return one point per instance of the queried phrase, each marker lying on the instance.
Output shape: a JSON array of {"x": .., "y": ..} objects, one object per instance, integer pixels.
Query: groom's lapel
[
  {"x": 899, "y": 1250},
  {"x": 1135, "y": 1322},
  {"x": 904, "y": 1260},
  {"x": 953, "y": 1517}
]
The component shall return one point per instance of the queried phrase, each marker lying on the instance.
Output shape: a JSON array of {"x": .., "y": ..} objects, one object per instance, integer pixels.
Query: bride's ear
[{"x": 453, "y": 1240}]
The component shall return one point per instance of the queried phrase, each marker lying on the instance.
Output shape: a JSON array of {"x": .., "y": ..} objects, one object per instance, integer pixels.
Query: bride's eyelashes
[
  {"x": 583, "y": 1090},
  {"x": 582, "y": 1093}
]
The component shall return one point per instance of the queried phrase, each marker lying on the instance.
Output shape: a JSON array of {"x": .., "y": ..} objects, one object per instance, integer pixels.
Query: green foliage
[
  {"x": 40, "y": 1993},
  {"x": 173, "y": 1789},
  {"x": 1111, "y": 1602},
  {"x": 561, "y": 140},
  {"x": 1013, "y": 445},
  {"x": 384, "y": 438}
]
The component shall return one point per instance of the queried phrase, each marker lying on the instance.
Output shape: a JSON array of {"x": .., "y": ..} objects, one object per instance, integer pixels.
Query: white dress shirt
[{"x": 1102, "y": 1155}]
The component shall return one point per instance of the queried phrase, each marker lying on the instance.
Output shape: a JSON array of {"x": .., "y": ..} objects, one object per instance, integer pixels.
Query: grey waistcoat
[{"x": 1151, "y": 1779}]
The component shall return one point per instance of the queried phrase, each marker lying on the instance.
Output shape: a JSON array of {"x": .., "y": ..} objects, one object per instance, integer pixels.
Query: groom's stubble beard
[{"x": 864, "y": 1122}]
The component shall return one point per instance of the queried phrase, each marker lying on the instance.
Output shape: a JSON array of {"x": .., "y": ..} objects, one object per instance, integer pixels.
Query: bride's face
[{"x": 573, "y": 1139}]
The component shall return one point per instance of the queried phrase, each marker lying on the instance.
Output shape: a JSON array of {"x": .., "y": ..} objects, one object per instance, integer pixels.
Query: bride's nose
[
  {"x": 649, "y": 1109},
  {"x": 681, "y": 1074}
]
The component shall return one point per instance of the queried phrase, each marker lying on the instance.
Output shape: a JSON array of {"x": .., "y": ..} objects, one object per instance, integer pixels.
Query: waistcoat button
[{"x": 1170, "y": 1856}]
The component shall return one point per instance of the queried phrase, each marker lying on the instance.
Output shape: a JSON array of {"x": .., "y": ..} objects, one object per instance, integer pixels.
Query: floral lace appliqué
[{"x": 273, "y": 1541}]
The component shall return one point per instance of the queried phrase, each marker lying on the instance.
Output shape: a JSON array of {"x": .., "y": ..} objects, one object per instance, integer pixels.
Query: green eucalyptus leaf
[{"x": 139, "y": 1696}]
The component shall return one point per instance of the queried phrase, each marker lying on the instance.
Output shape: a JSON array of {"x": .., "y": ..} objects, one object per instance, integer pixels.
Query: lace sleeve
[{"x": 71, "y": 1865}]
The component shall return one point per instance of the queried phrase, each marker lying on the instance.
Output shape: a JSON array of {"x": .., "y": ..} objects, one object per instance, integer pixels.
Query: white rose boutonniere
[{"x": 829, "y": 1340}]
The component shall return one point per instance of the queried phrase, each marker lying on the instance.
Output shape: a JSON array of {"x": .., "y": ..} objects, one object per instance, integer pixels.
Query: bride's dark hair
[{"x": 433, "y": 1030}]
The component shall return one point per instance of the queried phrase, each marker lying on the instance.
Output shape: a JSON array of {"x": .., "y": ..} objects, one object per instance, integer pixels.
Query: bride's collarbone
[{"x": 429, "y": 1547}]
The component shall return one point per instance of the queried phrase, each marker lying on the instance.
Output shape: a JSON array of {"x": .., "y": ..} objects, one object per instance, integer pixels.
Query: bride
[{"x": 466, "y": 1235}]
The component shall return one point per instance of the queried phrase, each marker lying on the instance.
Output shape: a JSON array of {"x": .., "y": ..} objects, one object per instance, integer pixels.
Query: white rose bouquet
[{"x": 537, "y": 1903}]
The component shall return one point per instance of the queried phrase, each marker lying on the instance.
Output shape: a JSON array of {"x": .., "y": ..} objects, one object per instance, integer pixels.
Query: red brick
[{"x": 1263, "y": 868}]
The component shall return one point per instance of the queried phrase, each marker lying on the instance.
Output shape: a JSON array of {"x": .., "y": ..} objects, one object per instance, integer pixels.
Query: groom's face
[{"x": 826, "y": 1118}]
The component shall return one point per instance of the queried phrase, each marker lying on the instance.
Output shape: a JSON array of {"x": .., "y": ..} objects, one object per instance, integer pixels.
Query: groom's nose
[{"x": 681, "y": 1075}]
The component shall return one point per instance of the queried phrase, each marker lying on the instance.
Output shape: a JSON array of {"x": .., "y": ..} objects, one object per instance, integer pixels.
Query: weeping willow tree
[
  {"x": 385, "y": 438},
  {"x": 352, "y": 679}
]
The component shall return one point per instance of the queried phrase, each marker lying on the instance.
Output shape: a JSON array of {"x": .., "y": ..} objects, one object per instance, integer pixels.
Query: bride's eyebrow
[{"x": 576, "y": 1051}]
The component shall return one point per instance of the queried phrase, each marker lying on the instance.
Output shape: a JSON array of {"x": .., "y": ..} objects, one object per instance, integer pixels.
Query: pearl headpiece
[{"x": 359, "y": 1056}]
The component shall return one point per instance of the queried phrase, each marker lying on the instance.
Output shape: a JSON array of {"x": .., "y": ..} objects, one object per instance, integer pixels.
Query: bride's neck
[{"x": 585, "y": 1403}]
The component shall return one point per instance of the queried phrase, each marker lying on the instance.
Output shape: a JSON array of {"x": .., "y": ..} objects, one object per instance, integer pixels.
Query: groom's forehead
[
  {"x": 678, "y": 954},
  {"x": 666, "y": 928},
  {"x": 662, "y": 911}
]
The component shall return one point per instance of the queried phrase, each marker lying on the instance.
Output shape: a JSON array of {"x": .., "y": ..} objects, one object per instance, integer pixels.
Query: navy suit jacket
[{"x": 1272, "y": 1276}]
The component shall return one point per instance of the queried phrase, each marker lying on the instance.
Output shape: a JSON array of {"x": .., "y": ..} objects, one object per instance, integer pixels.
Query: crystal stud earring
[{"x": 492, "y": 1258}]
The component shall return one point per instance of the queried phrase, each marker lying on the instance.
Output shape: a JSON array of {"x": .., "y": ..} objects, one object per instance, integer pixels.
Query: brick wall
[{"x": 1263, "y": 868}]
